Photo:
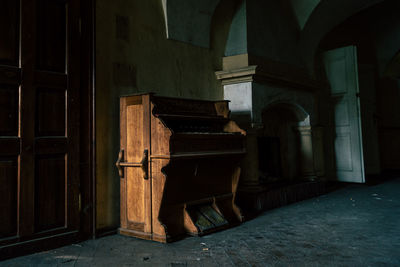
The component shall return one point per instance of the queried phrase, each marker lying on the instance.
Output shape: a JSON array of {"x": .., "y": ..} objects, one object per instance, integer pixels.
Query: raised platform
[{"x": 273, "y": 195}]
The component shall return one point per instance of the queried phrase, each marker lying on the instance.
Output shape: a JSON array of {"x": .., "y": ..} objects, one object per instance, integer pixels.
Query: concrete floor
[{"x": 358, "y": 225}]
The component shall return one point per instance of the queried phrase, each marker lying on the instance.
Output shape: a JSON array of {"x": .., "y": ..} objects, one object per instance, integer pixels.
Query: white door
[{"x": 341, "y": 70}]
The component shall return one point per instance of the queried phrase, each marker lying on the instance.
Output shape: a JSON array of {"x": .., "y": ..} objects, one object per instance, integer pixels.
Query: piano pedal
[{"x": 205, "y": 219}]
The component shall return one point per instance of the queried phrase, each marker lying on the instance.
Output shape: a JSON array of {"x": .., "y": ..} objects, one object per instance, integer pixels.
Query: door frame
[
  {"x": 346, "y": 93},
  {"x": 88, "y": 119},
  {"x": 87, "y": 141}
]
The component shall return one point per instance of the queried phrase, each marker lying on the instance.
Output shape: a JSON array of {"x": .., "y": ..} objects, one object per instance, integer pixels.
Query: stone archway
[{"x": 285, "y": 144}]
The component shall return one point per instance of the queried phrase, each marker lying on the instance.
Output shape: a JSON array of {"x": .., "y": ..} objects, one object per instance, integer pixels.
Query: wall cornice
[{"x": 247, "y": 68}]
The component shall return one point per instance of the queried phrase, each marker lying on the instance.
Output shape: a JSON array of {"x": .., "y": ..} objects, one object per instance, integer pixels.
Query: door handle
[{"x": 143, "y": 164}]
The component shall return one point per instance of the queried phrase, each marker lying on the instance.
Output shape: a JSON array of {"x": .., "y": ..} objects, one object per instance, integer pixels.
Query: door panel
[
  {"x": 39, "y": 119},
  {"x": 135, "y": 193},
  {"x": 9, "y": 194},
  {"x": 51, "y": 35},
  {"x": 9, "y": 98},
  {"x": 10, "y": 79},
  {"x": 341, "y": 112},
  {"x": 342, "y": 143},
  {"x": 55, "y": 140},
  {"x": 9, "y": 32},
  {"x": 342, "y": 74},
  {"x": 50, "y": 112},
  {"x": 50, "y": 192}
]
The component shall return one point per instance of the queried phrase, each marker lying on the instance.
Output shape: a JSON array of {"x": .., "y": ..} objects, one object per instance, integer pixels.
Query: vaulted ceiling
[
  {"x": 190, "y": 20},
  {"x": 302, "y": 10},
  {"x": 325, "y": 16}
]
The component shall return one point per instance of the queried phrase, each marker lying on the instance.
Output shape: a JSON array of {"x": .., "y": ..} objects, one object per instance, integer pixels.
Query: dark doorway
[{"x": 269, "y": 158}]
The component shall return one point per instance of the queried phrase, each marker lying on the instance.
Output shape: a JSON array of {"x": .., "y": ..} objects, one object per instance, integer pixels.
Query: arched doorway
[{"x": 285, "y": 144}]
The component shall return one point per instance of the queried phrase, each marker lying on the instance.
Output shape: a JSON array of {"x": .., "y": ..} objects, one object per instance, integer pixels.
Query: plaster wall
[
  {"x": 241, "y": 106},
  {"x": 387, "y": 41},
  {"x": 191, "y": 26},
  {"x": 389, "y": 123},
  {"x": 387, "y": 28},
  {"x": 272, "y": 31},
  {"x": 266, "y": 29},
  {"x": 133, "y": 55},
  {"x": 237, "y": 38}
]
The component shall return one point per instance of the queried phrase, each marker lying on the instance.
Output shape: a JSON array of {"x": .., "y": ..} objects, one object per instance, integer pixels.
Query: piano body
[{"x": 178, "y": 166}]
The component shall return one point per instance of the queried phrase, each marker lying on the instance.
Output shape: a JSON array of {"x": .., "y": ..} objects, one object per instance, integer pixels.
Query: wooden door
[
  {"x": 342, "y": 73},
  {"x": 135, "y": 178},
  {"x": 39, "y": 113}
]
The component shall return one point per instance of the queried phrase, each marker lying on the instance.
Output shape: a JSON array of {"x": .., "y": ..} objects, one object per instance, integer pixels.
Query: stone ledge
[{"x": 248, "y": 68}]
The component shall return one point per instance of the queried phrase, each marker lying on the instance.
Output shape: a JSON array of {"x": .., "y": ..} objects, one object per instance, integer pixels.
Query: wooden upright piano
[{"x": 178, "y": 166}]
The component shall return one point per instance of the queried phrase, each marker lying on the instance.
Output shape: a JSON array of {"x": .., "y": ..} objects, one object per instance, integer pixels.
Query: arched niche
[
  {"x": 285, "y": 146},
  {"x": 189, "y": 20}
]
